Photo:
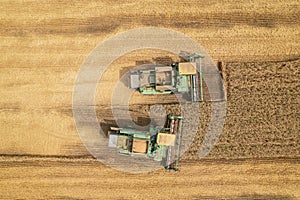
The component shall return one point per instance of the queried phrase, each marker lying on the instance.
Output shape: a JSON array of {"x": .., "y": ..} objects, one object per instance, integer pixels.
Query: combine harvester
[
  {"x": 160, "y": 144},
  {"x": 180, "y": 77}
]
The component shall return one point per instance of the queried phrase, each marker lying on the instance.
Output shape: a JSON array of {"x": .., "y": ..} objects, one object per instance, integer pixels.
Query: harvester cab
[
  {"x": 161, "y": 144},
  {"x": 181, "y": 77}
]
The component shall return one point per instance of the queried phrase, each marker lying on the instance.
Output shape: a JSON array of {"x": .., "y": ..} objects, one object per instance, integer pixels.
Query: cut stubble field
[{"x": 85, "y": 178}]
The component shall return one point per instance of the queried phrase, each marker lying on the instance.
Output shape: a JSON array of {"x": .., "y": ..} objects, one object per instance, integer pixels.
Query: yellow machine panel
[
  {"x": 139, "y": 146},
  {"x": 166, "y": 139},
  {"x": 187, "y": 68}
]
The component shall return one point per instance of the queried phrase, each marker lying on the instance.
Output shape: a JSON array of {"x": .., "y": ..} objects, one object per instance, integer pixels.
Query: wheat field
[{"x": 43, "y": 45}]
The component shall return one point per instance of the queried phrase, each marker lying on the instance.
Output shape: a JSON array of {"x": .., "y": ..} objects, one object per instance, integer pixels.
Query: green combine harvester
[
  {"x": 180, "y": 77},
  {"x": 159, "y": 143}
]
